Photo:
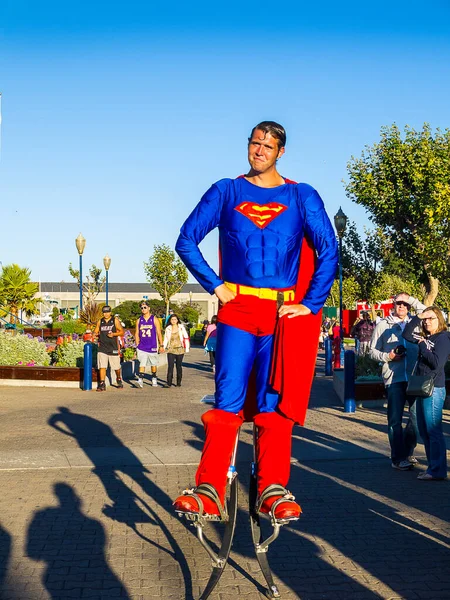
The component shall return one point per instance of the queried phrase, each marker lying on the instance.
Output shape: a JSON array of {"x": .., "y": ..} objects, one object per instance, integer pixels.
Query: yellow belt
[{"x": 263, "y": 293}]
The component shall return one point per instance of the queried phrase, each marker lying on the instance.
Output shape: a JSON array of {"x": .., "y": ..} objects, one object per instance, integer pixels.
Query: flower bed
[{"x": 25, "y": 360}]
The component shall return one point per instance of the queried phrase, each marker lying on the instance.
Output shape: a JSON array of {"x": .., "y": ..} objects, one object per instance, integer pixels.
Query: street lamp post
[
  {"x": 80, "y": 243},
  {"x": 340, "y": 223},
  {"x": 190, "y": 298},
  {"x": 107, "y": 264}
]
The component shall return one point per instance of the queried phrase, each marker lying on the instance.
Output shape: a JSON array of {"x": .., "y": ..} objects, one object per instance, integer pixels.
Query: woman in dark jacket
[{"x": 434, "y": 349}]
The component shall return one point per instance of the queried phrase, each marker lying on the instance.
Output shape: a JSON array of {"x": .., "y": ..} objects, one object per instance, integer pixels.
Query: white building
[{"x": 67, "y": 295}]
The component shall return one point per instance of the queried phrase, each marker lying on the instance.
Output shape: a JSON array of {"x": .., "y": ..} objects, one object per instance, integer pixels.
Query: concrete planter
[
  {"x": 367, "y": 393},
  {"x": 370, "y": 393},
  {"x": 43, "y": 376}
]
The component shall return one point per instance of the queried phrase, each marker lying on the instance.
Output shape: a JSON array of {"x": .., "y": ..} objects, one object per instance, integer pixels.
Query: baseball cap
[{"x": 106, "y": 309}]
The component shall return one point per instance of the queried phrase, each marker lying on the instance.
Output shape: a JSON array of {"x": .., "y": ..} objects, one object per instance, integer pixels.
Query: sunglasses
[
  {"x": 144, "y": 306},
  {"x": 400, "y": 303}
]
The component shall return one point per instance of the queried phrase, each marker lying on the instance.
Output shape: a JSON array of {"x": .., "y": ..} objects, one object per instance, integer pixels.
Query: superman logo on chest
[{"x": 261, "y": 215}]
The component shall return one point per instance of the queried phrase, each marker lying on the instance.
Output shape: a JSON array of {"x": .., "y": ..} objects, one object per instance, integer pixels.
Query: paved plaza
[{"x": 87, "y": 481}]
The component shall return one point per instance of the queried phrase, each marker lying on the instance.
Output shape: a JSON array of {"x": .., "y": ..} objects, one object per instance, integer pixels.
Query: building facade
[{"x": 67, "y": 295}]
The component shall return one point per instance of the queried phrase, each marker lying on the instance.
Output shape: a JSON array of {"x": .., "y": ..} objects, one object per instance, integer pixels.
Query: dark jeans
[
  {"x": 173, "y": 359},
  {"x": 212, "y": 357},
  {"x": 402, "y": 440},
  {"x": 429, "y": 419}
]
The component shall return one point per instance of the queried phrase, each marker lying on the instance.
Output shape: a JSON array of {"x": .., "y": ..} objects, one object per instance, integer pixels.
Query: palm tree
[{"x": 17, "y": 292}]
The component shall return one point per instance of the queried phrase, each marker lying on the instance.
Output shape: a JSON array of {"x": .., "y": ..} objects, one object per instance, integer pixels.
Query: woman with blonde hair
[{"x": 429, "y": 331}]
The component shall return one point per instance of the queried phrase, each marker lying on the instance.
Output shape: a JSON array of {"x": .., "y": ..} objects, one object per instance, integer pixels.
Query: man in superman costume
[{"x": 278, "y": 258}]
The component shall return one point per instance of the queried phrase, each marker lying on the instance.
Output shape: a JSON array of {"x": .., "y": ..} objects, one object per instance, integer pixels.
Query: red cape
[
  {"x": 295, "y": 351},
  {"x": 295, "y": 348}
]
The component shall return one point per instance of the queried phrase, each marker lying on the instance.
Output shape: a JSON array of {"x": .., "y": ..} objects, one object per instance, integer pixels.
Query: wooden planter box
[
  {"x": 47, "y": 332},
  {"x": 53, "y": 376}
]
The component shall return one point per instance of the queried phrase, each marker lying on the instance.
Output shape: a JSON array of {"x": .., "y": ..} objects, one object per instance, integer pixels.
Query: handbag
[{"x": 421, "y": 386}]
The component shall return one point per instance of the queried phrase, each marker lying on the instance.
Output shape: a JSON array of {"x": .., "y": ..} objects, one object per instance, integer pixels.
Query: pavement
[{"x": 87, "y": 481}]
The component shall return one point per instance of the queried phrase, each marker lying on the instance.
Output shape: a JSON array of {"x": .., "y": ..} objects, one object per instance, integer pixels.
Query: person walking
[
  {"x": 107, "y": 330},
  {"x": 176, "y": 343},
  {"x": 398, "y": 357},
  {"x": 362, "y": 332},
  {"x": 210, "y": 342},
  {"x": 147, "y": 336},
  {"x": 434, "y": 349}
]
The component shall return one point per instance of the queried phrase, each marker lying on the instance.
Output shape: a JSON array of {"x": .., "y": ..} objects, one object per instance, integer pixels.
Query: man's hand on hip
[
  {"x": 224, "y": 293},
  {"x": 294, "y": 310}
]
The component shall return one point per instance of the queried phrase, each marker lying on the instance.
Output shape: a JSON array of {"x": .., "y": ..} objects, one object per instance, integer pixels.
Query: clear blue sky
[{"x": 118, "y": 116}]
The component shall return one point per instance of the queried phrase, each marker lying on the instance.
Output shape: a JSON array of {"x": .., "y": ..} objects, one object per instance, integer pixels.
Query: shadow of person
[
  {"x": 110, "y": 456},
  {"x": 73, "y": 547},
  {"x": 5, "y": 551},
  {"x": 104, "y": 448}
]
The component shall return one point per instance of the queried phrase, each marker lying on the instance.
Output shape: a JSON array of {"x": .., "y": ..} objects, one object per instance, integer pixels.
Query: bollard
[
  {"x": 328, "y": 356},
  {"x": 349, "y": 382},
  {"x": 87, "y": 368}
]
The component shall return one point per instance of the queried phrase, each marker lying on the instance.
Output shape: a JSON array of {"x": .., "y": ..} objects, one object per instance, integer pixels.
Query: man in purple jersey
[{"x": 148, "y": 335}]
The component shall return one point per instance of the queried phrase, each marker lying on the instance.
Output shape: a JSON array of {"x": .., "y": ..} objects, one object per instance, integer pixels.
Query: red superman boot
[
  {"x": 221, "y": 428},
  {"x": 273, "y": 456}
]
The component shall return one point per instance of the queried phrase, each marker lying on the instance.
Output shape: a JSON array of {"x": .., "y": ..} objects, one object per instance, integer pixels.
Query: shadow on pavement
[
  {"x": 360, "y": 524},
  {"x": 204, "y": 367},
  {"x": 125, "y": 502},
  {"x": 73, "y": 547},
  {"x": 5, "y": 551},
  {"x": 295, "y": 560}
]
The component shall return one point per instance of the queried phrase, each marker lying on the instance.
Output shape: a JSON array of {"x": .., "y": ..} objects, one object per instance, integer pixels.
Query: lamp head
[
  {"x": 340, "y": 222},
  {"x": 107, "y": 262},
  {"x": 80, "y": 243}
]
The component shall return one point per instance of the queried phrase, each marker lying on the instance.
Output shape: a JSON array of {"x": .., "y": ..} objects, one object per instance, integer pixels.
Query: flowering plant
[
  {"x": 21, "y": 350},
  {"x": 129, "y": 345},
  {"x": 128, "y": 339}
]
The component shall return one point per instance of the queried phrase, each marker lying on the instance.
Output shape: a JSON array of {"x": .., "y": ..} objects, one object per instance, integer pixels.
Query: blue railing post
[
  {"x": 328, "y": 356},
  {"x": 87, "y": 367},
  {"x": 349, "y": 382}
]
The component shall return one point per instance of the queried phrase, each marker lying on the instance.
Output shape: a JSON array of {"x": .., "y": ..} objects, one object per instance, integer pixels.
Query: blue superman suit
[{"x": 261, "y": 232}]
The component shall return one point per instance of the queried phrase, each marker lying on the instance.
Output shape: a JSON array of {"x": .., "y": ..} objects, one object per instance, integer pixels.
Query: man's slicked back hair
[{"x": 275, "y": 129}]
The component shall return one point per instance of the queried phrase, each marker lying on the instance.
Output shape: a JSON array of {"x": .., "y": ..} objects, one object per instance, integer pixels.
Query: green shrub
[
  {"x": 21, "y": 350},
  {"x": 71, "y": 354},
  {"x": 73, "y": 326},
  {"x": 367, "y": 367}
]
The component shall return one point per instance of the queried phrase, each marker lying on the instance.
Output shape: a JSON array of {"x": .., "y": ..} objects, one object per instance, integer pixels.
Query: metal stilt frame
[
  {"x": 262, "y": 545},
  {"x": 219, "y": 559}
]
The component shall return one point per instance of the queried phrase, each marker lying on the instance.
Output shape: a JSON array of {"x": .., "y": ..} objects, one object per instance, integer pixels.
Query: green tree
[
  {"x": 165, "y": 273},
  {"x": 128, "y": 312},
  {"x": 350, "y": 293},
  {"x": 17, "y": 292},
  {"x": 362, "y": 258},
  {"x": 93, "y": 285},
  {"x": 189, "y": 312},
  {"x": 405, "y": 184}
]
